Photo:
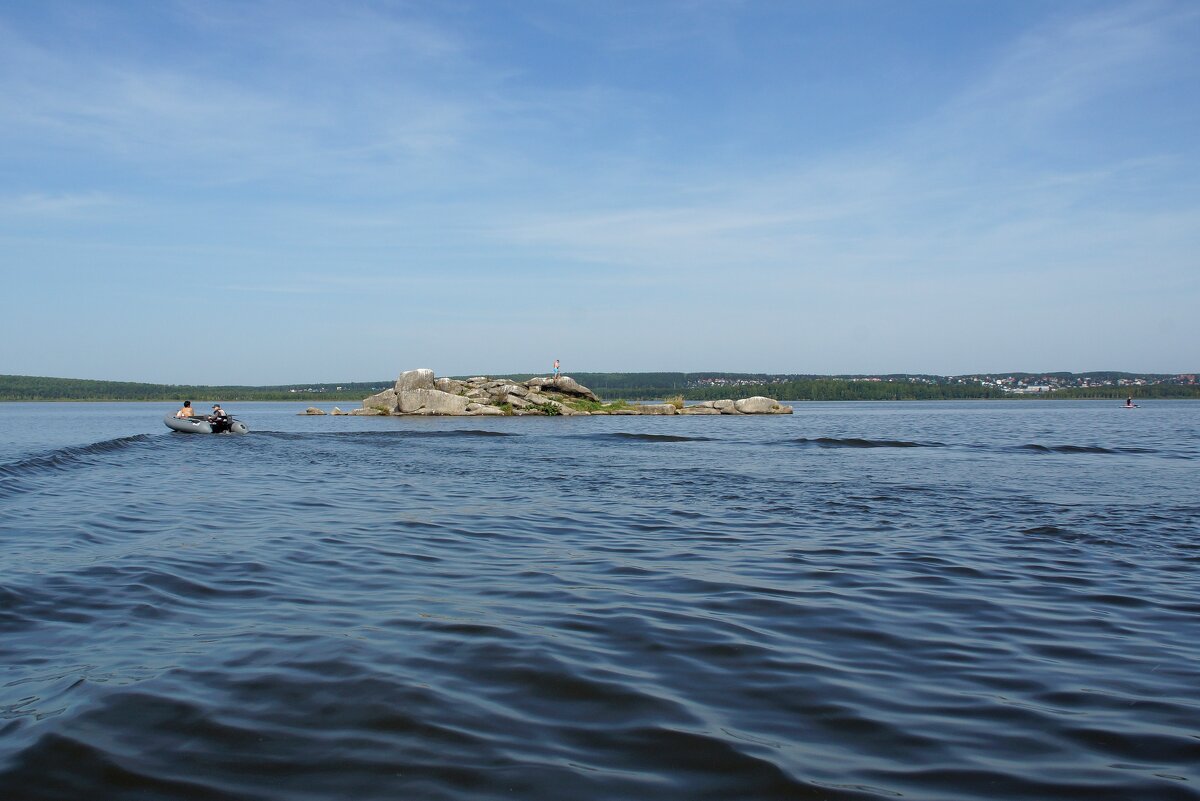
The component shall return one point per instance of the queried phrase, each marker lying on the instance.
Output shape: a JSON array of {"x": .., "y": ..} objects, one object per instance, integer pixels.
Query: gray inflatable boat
[{"x": 200, "y": 425}]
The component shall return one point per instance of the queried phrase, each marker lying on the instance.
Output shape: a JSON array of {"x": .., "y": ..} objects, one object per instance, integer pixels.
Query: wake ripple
[
  {"x": 1036, "y": 448},
  {"x": 625, "y": 436},
  {"x": 62, "y": 459},
  {"x": 457, "y": 433},
  {"x": 857, "y": 442}
]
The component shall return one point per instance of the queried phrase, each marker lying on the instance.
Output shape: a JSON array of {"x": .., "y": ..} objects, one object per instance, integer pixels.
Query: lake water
[{"x": 930, "y": 601}]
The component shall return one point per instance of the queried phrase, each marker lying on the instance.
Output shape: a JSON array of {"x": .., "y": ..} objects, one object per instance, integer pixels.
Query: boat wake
[
  {"x": 856, "y": 442},
  {"x": 67, "y": 458}
]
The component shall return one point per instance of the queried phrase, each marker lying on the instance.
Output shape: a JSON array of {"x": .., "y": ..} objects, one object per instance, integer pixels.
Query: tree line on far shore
[
  {"x": 625, "y": 386},
  {"x": 38, "y": 388}
]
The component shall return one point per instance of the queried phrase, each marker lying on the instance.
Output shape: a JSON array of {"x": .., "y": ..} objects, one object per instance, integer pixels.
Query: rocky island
[{"x": 419, "y": 392}]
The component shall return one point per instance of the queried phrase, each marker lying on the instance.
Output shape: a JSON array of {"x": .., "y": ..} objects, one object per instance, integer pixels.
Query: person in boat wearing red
[{"x": 220, "y": 419}]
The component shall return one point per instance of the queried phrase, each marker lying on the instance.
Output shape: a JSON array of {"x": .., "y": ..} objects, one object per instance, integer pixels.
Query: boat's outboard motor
[{"x": 220, "y": 420}]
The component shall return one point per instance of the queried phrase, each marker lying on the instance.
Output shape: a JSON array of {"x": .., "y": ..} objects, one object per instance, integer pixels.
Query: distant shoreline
[
  {"x": 651, "y": 386},
  {"x": 199, "y": 399}
]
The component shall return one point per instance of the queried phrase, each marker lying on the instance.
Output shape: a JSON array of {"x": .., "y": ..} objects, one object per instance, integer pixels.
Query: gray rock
[
  {"x": 313, "y": 410},
  {"x": 564, "y": 409},
  {"x": 450, "y": 385},
  {"x": 415, "y": 379},
  {"x": 565, "y": 385},
  {"x": 385, "y": 400},
  {"x": 367, "y": 412},
  {"x": 431, "y": 401},
  {"x": 698, "y": 410},
  {"x": 782, "y": 410},
  {"x": 337, "y": 412},
  {"x": 490, "y": 411},
  {"x": 655, "y": 408},
  {"x": 756, "y": 405}
]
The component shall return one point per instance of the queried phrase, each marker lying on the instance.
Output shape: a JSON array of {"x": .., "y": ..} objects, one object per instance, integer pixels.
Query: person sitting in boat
[
  {"x": 186, "y": 411},
  {"x": 220, "y": 419},
  {"x": 1129, "y": 401}
]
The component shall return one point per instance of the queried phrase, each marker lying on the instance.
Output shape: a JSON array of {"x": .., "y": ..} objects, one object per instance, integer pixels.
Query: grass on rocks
[{"x": 584, "y": 405}]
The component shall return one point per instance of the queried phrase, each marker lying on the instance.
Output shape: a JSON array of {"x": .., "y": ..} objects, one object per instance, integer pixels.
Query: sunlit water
[{"x": 859, "y": 601}]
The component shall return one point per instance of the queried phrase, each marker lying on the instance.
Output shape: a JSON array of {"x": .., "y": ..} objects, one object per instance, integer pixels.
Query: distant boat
[{"x": 200, "y": 425}]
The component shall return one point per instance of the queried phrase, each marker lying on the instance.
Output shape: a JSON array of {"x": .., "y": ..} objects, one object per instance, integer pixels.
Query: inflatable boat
[{"x": 200, "y": 425}]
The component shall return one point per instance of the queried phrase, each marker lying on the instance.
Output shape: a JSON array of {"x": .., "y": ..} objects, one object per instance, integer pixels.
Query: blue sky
[{"x": 272, "y": 192}]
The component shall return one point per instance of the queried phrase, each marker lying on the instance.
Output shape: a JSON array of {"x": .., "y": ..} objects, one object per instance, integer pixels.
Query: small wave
[
  {"x": 1067, "y": 535},
  {"x": 856, "y": 442},
  {"x": 466, "y": 432},
  {"x": 625, "y": 435},
  {"x": 373, "y": 435},
  {"x": 67, "y": 458},
  {"x": 1036, "y": 448}
]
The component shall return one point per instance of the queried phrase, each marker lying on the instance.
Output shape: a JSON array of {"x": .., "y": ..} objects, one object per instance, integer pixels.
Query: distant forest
[
  {"x": 34, "y": 388},
  {"x": 628, "y": 386}
]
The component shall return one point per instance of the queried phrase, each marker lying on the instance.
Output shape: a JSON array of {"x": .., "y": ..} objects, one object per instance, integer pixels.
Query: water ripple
[{"x": 833, "y": 605}]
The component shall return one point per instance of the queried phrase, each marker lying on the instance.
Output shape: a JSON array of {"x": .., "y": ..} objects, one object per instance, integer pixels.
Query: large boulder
[
  {"x": 415, "y": 379},
  {"x": 655, "y": 408},
  {"x": 489, "y": 411},
  {"x": 385, "y": 401},
  {"x": 756, "y": 405},
  {"x": 501, "y": 393},
  {"x": 450, "y": 385},
  {"x": 432, "y": 401},
  {"x": 564, "y": 385},
  {"x": 698, "y": 410}
]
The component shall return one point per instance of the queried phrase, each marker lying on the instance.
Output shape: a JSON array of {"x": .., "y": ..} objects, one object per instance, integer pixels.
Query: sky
[{"x": 274, "y": 192}]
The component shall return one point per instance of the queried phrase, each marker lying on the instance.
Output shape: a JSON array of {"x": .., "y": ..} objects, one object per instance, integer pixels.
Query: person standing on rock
[{"x": 556, "y": 369}]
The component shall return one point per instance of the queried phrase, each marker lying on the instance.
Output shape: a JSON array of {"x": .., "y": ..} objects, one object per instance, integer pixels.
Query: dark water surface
[{"x": 860, "y": 601}]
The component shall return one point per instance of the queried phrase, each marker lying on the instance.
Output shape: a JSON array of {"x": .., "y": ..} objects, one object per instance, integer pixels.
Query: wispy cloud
[
  {"x": 60, "y": 205},
  {"x": 302, "y": 110},
  {"x": 957, "y": 190}
]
